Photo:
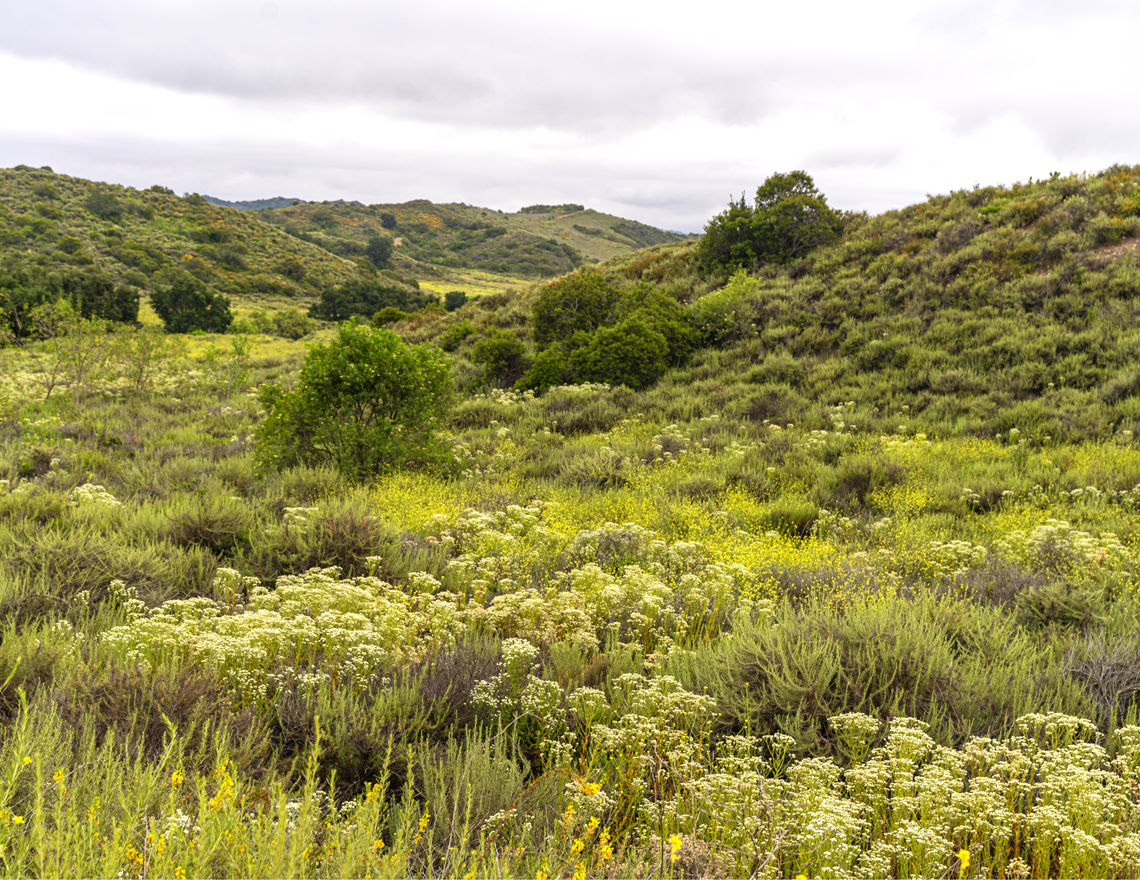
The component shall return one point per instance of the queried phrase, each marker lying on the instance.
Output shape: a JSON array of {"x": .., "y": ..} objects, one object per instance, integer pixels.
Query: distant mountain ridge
[{"x": 254, "y": 205}]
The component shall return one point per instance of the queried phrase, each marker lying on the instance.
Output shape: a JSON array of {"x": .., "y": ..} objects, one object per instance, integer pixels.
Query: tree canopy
[{"x": 789, "y": 217}]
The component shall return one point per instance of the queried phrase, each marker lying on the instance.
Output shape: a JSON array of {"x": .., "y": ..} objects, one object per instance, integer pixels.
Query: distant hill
[
  {"x": 538, "y": 241},
  {"x": 285, "y": 246},
  {"x": 146, "y": 237},
  {"x": 257, "y": 205}
]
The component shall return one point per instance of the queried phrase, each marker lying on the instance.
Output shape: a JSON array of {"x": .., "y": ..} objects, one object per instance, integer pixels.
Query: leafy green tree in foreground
[
  {"x": 365, "y": 403},
  {"x": 189, "y": 305},
  {"x": 789, "y": 217}
]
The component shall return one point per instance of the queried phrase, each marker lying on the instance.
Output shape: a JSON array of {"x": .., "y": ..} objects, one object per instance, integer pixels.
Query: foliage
[
  {"x": 501, "y": 356},
  {"x": 581, "y": 302},
  {"x": 753, "y": 620},
  {"x": 789, "y": 218},
  {"x": 362, "y": 297},
  {"x": 379, "y": 250},
  {"x": 187, "y": 304},
  {"x": 454, "y": 299},
  {"x": 631, "y": 353},
  {"x": 365, "y": 403}
]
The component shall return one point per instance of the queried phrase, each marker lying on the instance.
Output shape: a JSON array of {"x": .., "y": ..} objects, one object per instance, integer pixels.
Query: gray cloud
[{"x": 657, "y": 111}]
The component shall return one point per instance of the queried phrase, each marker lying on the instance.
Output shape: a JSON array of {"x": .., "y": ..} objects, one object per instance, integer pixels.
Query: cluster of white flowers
[
  {"x": 345, "y": 629},
  {"x": 89, "y": 493},
  {"x": 1058, "y": 543},
  {"x": 953, "y": 559}
]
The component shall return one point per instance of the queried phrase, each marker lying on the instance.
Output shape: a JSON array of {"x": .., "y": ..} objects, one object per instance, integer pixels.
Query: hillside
[
  {"x": 144, "y": 237},
  {"x": 427, "y": 237},
  {"x": 286, "y": 247},
  {"x": 974, "y": 312}
]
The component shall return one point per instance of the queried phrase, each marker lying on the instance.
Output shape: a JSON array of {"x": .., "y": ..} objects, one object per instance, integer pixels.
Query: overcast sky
[{"x": 656, "y": 111}]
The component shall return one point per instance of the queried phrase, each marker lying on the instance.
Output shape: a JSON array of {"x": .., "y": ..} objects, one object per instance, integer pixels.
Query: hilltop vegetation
[{"x": 825, "y": 565}]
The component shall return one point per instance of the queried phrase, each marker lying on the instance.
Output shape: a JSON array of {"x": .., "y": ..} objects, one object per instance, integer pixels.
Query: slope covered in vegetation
[
  {"x": 539, "y": 241},
  {"x": 144, "y": 238},
  {"x": 975, "y": 312}
]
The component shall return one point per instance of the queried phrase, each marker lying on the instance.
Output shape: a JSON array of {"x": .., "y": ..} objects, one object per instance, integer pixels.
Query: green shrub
[
  {"x": 454, "y": 299},
  {"x": 187, "y": 305},
  {"x": 583, "y": 301},
  {"x": 633, "y": 354},
  {"x": 501, "y": 357},
  {"x": 365, "y": 403}
]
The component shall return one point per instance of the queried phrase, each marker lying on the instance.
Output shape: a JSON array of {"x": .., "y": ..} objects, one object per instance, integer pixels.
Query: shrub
[
  {"x": 365, "y": 403},
  {"x": 583, "y": 301},
  {"x": 363, "y": 298},
  {"x": 454, "y": 299},
  {"x": 103, "y": 204},
  {"x": 379, "y": 250},
  {"x": 189, "y": 305},
  {"x": 293, "y": 324},
  {"x": 790, "y": 217},
  {"x": 633, "y": 354},
  {"x": 501, "y": 356}
]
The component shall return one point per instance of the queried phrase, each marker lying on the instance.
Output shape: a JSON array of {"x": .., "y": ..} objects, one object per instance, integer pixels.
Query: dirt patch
[{"x": 1116, "y": 251}]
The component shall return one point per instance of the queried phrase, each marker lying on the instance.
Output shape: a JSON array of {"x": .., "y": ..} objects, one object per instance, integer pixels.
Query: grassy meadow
[{"x": 814, "y": 603}]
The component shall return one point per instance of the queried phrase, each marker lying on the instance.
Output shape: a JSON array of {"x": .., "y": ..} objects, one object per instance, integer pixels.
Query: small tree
[
  {"x": 631, "y": 354},
  {"x": 583, "y": 301},
  {"x": 379, "y": 250},
  {"x": 189, "y": 305},
  {"x": 501, "y": 357},
  {"x": 366, "y": 403},
  {"x": 790, "y": 217},
  {"x": 387, "y": 220},
  {"x": 454, "y": 299}
]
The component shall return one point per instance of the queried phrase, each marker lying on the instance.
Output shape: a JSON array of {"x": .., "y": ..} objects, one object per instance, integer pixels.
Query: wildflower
[
  {"x": 964, "y": 859},
  {"x": 674, "y": 847},
  {"x": 17, "y": 820},
  {"x": 176, "y": 778}
]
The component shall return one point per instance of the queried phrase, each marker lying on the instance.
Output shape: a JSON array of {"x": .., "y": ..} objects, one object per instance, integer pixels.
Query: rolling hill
[{"x": 283, "y": 247}]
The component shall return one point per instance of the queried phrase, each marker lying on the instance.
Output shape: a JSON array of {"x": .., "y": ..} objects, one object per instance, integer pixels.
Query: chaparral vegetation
[{"x": 810, "y": 548}]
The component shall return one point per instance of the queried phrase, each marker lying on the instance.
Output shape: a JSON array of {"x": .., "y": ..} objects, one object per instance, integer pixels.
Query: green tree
[
  {"x": 365, "y": 297},
  {"x": 366, "y": 403},
  {"x": 583, "y": 301},
  {"x": 550, "y": 368},
  {"x": 379, "y": 250},
  {"x": 501, "y": 356},
  {"x": 789, "y": 218},
  {"x": 631, "y": 353},
  {"x": 454, "y": 299},
  {"x": 729, "y": 242},
  {"x": 187, "y": 304},
  {"x": 387, "y": 220}
]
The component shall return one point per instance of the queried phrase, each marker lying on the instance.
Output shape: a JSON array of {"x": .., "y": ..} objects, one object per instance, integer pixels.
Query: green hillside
[
  {"x": 274, "y": 248},
  {"x": 431, "y": 238},
  {"x": 146, "y": 237},
  {"x": 978, "y": 311}
]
